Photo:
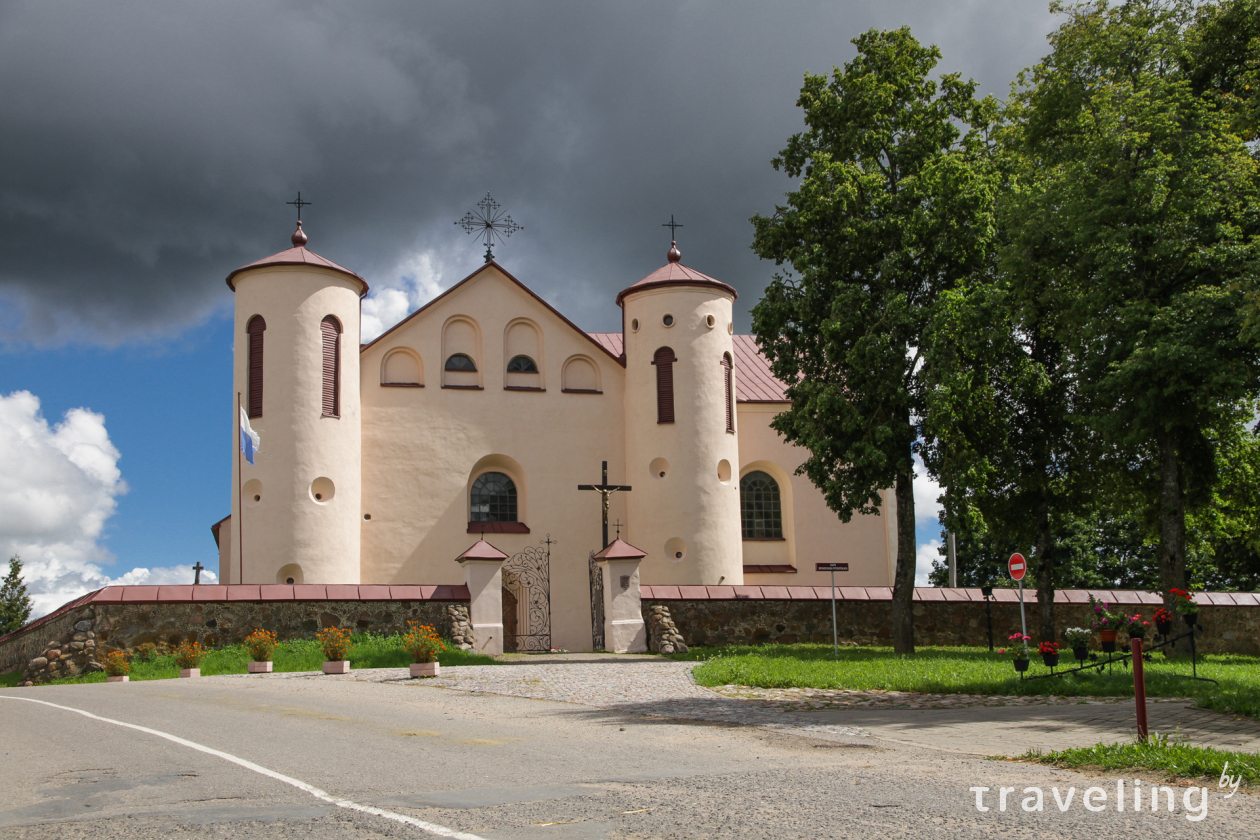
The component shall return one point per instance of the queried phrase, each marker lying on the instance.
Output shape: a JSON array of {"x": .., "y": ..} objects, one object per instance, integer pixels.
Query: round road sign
[{"x": 1017, "y": 566}]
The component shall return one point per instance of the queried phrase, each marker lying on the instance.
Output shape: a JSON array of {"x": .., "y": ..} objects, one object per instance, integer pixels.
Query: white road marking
[{"x": 432, "y": 828}]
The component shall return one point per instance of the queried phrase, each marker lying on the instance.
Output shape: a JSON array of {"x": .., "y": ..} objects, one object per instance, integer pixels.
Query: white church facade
[{"x": 480, "y": 414}]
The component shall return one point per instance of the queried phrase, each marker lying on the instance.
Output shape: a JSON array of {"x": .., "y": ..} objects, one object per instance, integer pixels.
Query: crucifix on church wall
[{"x": 604, "y": 489}]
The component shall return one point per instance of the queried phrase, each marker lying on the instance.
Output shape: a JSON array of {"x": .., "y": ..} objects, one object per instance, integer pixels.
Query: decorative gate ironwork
[
  {"x": 597, "y": 603},
  {"x": 527, "y": 575}
]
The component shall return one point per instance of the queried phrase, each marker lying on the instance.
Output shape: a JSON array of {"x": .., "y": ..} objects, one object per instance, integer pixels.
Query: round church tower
[
  {"x": 682, "y": 452},
  {"x": 296, "y": 509}
]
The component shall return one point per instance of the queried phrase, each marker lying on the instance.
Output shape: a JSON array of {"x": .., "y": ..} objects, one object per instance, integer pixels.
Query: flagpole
[{"x": 240, "y": 505}]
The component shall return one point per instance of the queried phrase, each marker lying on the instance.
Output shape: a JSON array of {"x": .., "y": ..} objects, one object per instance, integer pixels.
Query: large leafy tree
[
  {"x": 15, "y": 603},
  {"x": 1153, "y": 199},
  {"x": 893, "y": 208}
]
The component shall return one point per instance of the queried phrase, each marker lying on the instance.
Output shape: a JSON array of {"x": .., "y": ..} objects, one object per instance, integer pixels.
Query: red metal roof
[
  {"x": 619, "y": 549},
  {"x": 482, "y": 550},
  {"x": 298, "y": 256},
  {"x": 676, "y": 274},
  {"x": 755, "y": 382}
]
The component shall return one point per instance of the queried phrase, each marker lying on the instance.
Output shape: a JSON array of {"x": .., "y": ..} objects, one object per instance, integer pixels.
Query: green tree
[
  {"x": 893, "y": 208},
  {"x": 15, "y": 604},
  {"x": 1153, "y": 194}
]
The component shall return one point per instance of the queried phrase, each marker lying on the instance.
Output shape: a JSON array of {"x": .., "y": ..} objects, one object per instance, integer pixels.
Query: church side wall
[
  {"x": 422, "y": 448},
  {"x": 813, "y": 533}
]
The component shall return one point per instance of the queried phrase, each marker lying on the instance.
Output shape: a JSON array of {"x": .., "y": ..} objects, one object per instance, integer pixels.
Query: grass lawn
[
  {"x": 368, "y": 651},
  {"x": 10, "y": 680},
  {"x": 1176, "y": 761},
  {"x": 962, "y": 670}
]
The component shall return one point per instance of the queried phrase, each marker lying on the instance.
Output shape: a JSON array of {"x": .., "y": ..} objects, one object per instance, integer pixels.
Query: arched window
[
  {"x": 522, "y": 364},
  {"x": 460, "y": 361},
  {"x": 664, "y": 360},
  {"x": 493, "y": 499},
  {"x": 255, "y": 329},
  {"x": 730, "y": 406},
  {"x": 330, "y": 330},
  {"x": 759, "y": 507}
]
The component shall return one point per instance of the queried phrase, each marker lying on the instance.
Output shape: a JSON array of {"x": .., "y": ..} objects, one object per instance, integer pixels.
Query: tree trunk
[
  {"x": 1172, "y": 526},
  {"x": 903, "y": 586},
  {"x": 1043, "y": 553}
]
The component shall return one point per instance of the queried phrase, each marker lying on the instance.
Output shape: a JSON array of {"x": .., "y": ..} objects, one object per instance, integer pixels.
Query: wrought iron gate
[
  {"x": 527, "y": 575},
  {"x": 597, "y": 603}
]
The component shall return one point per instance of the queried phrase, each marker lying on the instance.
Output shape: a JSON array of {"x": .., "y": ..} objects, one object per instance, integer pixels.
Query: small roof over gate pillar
[
  {"x": 482, "y": 550},
  {"x": 619, "y": 549}
]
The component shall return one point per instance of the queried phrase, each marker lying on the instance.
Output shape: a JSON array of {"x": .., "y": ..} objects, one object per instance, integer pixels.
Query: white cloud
[
  {"x": 924, "y": 557},
  {"x": 926, "y": 492},
  {"x": 58, "y": 488},
  {"x": 417, "y": 280}
]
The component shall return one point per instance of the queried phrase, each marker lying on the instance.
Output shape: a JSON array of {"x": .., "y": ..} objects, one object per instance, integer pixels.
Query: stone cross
[
  {"x": 604, "y": 489},
  {"x": 198, "y": 569}
]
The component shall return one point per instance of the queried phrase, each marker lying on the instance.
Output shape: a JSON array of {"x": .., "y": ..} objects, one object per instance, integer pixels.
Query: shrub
[
  {"x": 116, "y": 664},
  {"x": 422, "y": 642},
  {"x": 335, "y": 641},
  {"x": 261, "y": 644},
  {"x": 1077, "y": 637},
  {"x": 189, "y": 654}
]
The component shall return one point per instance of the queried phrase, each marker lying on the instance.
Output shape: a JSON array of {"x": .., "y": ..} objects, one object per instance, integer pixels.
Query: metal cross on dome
[
  {"x": 673, "y": 226},
  {"x": 489, "y": 223},
  {"x": 299, "y": 204}
]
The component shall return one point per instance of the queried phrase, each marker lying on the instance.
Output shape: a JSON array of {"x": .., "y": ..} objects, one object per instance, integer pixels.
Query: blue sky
[{"x": 150, "y": 150}]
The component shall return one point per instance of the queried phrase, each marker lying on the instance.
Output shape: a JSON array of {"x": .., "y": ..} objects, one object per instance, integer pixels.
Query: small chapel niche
[
  {"x": 323, "y": 490},
  {"x": 659, "y": 468},
  {"x": 291, "y": 573},
  {"x": 580, "y": 376},
  {"x": 675, "y": 549},
  {"x": 523, "y": 353},
  {"x": 461, "y": 349},
  {"x": 402, "y": 368},
  {"x": 252, "y": 492}
]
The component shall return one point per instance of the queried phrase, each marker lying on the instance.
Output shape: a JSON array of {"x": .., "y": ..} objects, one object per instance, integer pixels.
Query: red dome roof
[
  {"x": 299, "y": 255},
  {"x": 676, "y": 274}
]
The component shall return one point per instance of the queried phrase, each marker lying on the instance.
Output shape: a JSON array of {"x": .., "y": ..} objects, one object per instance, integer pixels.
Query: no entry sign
[{"x": 1017, "y": 566}]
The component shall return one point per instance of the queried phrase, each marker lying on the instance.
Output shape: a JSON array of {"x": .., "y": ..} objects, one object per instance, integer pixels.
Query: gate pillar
[
  {"x": 623, "y": 607},
  {"x": 483, "y": 575}
]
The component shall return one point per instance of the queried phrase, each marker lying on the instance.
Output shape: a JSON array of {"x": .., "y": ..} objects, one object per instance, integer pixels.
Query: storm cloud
[{"x": 148, "y": 149}]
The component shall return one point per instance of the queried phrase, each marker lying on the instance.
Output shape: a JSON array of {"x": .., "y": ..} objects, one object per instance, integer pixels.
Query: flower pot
[
  {"x": 1164, "y": 627},
  {"x": 425, "y": 669},
  {"x": 1021, "y": 665},
  {"x": 187, "y": 673},
  {"x": 1191, "y": 618},
  {"x": 340, "y": 666},
  {"x": 1050, "y": 659},
  {"x": 1108, "y": 640},
  {"x": 123, "y": 678},
  {"x": 260, "y": 667},
  {"x": 1081, "y": 653}
]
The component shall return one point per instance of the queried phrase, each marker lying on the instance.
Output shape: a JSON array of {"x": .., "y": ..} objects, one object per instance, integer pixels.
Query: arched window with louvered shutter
[
  {"x": 254, "y": 393},
  {"x": 330, "y": 330},
  {"x": 730, "y": 404},
  {"x": 664, "y": 359}
]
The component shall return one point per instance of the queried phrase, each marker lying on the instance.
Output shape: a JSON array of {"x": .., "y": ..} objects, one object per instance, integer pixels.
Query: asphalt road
[{"x": 497, "y": 767}]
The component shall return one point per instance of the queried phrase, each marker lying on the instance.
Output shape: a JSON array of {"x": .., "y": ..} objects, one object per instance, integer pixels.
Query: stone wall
[
  {"x": 767, "y": 621},
  {"x": 76, "y": 639}
]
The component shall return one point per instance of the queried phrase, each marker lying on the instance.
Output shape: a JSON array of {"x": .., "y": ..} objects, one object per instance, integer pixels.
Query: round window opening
[
  {"x": 675, "y": 549},
  {"x": 659, "y": 467},
  {"x": 367, "y": 516},
  {"x": 288, "y": 580},
  {"x": 323, "y": 490},
  {"x": 730, "y": 328},
  {"x": 253, "y": 491},
  {"x": 709, "y": 321},
  {"x": 668, "y": 320},
  {"x": 634, "y": 325}
]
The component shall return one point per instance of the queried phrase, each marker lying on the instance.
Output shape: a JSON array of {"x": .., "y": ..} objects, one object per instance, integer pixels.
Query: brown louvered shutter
[
  {"x": 726, "y": 372},
  {"x": 330, "y": 329},
  {"x": 664, "y": 361},
  {"x": 255, "y": 328}
]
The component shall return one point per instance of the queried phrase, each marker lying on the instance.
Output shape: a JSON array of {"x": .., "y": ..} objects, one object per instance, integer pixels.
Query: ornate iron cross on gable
[
  {"x": 604, "y": 489},
  {"x": 489, "y": 224}
]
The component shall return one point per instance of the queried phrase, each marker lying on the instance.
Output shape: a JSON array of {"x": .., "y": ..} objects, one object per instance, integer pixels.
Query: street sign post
[
  {"x": 835, "y": 633},
  {"x": 1018, "y": 566}
]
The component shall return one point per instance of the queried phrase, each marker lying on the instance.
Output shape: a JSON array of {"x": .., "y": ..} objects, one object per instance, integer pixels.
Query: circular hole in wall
[
  {"x": 291, "y": 573},
  {"x": 367, "y": 516},
  {"x": 252, "y": 491},
  {"x": 634, "y": 325},
  {"x": 675, "y": 549},
  {"x": 724, "y": 471},
  {"x": 668, "y": 320},
  {"x": 709, "y": 321},
  {"x": 322, "y": 490},
  {"x": 730, "y": 327},
  {"x": 659, "y": 468}
]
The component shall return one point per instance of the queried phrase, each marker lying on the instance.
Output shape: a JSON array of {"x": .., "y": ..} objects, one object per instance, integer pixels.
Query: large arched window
[
  {"x": 255, "y": 328},
  {"x": 664, "y": 359},
  {"x": 493, "y": 499},
  {"x": 730, "y": 405},
  {"x": 759, "y": 508},
  {"x": 330, "y": 330}
]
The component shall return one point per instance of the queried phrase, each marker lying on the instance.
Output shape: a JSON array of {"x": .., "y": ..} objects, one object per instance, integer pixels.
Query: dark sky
[{"x": 149, "y": 149}]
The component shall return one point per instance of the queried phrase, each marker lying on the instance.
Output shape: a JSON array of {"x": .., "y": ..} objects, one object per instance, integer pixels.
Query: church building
[{"x": 480, "y": 415}]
